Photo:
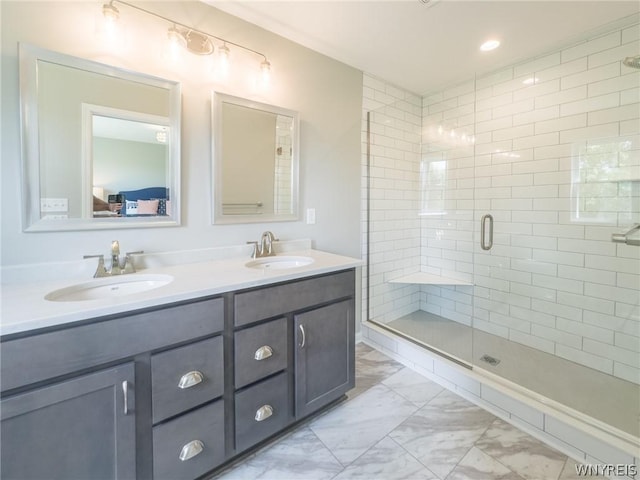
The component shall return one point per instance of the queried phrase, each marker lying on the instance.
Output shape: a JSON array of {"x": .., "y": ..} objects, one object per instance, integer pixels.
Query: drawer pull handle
[
  {"x": 304, "y": 336},
  {"x": 190, "y": 379},
  {"x": 263, "y": 353},
  {"x": 263, "y": 413},
  {"x": 125, "y": 395},
  {"x": 191, "y": 449}
]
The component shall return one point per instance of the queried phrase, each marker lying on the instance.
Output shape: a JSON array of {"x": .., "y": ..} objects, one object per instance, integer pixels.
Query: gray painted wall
[{"x": 327, "y": 93}]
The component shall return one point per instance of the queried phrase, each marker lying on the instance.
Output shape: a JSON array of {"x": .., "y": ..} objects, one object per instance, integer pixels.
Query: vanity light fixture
[{"x": 182, "y": 36}]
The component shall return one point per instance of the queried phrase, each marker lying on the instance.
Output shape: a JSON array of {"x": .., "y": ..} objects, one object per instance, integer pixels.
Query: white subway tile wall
[
  {"x": 549, "y": 147},
  {"x": 394, "y": 228}
]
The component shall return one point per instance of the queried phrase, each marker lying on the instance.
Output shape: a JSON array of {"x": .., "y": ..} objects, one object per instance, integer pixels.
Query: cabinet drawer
[
  {"x": 269, "y": 302},
  {"x": 186, "y": 377},
  {"x": 261, "y": 411},
  {"x": 190, "y": 445},
  {"x": 76, "y": 348},
  {"x": 260, "y": 351}
]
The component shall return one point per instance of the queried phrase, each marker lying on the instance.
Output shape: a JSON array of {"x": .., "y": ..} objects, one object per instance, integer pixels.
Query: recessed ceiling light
[{"x": 490, "y": 45}]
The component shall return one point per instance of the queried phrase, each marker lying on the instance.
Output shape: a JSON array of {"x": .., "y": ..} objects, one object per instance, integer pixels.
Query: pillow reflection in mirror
[
  {"x": 148, "y": 207},
  {"x": 131, "y": 208}
]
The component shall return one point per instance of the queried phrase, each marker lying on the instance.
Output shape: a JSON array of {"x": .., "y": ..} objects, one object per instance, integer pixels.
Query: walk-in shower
[{"x": 500, "y": 220}]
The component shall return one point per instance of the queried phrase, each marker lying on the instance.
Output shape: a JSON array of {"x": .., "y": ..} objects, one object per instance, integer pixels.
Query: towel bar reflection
[
  {"x": 624, "y": 237},
  {"x": 254, "y": 204}
]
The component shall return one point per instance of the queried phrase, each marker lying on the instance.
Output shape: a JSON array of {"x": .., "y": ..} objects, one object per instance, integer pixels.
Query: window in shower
[
  {"x": 433, "y": 185},
  {"x": 605, "y": 182}
]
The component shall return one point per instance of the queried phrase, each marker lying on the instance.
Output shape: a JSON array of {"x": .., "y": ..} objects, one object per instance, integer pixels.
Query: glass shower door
[{"x": 556, "y": 302}]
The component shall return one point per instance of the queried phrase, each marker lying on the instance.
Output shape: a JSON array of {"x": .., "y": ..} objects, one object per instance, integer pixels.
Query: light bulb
[
  {"x": 110, "y": 22},
  {"x": 224, "y": 54},
  {"x": 265, "y": 69},
  {"x": 174, "y": 38},
  {"x": 110, "y": 13}
]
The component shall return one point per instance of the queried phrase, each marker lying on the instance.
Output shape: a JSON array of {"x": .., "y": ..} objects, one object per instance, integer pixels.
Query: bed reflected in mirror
[{"x": 126, "y": 161}]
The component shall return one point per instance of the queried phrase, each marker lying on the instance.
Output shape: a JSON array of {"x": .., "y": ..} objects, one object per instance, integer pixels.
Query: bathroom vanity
[{"x": 177, "y": 389}]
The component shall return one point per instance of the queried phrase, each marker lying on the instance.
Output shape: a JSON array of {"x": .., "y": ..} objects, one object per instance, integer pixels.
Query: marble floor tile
[
  {"x": 442, "y": 432},
  {"x": 477, "y": 465},
  {"x": 399, "y": 425},
  {"x": 363, "y": 348},
  {"x": 300, "y": 455},
  {"x": 386, "y": 461},
  {"x": 371, "y": 368},
  {"x": 358, "y": 424},
  {"x": 413, "y": 386},
  {"x": 522, "y": 453}
]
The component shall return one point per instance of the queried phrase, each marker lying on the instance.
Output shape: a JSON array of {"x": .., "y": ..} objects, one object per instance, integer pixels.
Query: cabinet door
[
  {"x": 82, "y": 428},
  {"x": 325, "y": 356}
]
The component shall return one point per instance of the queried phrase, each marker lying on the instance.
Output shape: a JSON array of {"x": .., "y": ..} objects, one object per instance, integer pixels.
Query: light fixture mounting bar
[{"x": 188, "y": 28}]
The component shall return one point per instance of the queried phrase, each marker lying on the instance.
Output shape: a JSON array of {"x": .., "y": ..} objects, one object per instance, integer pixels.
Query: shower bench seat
[{"x": 424, "y": 278}]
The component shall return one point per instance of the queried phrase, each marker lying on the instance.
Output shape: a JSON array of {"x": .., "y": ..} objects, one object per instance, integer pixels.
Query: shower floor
[{"x": 604, "y": 397}]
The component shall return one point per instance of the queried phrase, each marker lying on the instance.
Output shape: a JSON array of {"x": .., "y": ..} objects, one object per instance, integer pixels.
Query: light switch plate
[
  {"x": 54, "y": 205},
  {"x": 311, "y": 216}
]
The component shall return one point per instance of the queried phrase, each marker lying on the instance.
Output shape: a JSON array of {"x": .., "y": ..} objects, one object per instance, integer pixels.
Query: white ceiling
[
  {"x": 424, "y": 47},
  {"x": 122, "y": 129}
]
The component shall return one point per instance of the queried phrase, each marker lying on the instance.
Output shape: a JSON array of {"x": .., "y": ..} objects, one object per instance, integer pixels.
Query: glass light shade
[{"x": 265, "y": 70}]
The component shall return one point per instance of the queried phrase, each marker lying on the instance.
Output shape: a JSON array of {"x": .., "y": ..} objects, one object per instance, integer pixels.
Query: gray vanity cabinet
[
  {"x": 93, "y": 400},
  {"x": 79, "y": 428},
  {"x": 307, "y": 327},
  {"x": 324, "y": 356},
  {"x": 174, "y": 391}
]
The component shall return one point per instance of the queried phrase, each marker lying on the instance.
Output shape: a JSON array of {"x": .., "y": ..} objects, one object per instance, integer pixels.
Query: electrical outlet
[
  {"x": 311, "y": 216},
  {"x": 54, "y": 205}
]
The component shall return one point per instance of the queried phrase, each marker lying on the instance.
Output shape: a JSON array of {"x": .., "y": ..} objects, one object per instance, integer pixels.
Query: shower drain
[{"x": 490, "y": 360}]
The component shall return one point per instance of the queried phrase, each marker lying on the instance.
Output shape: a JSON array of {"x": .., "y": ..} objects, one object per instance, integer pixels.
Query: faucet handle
[
  {"x": 254, "y": 253},
  {"x": 129, "y": 267},
  {"x": 100, "y": 270}
]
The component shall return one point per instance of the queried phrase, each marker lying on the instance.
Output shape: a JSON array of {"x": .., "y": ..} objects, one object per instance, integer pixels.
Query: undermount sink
[
  {"x": 109, "y": 287},
  {"x": 279, "y": 262}
]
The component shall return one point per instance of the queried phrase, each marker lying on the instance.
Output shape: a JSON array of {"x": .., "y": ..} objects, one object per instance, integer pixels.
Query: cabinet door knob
[
  {"x": 191, "y": 449},
  {"x": 264, "y": 412},
  {"x": 190, "y": 379},
  {"x": 263, "y": 352}
]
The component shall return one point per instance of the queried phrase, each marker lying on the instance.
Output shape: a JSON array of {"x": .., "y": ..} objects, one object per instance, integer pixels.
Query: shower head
[{"x": 633, "y": 62}]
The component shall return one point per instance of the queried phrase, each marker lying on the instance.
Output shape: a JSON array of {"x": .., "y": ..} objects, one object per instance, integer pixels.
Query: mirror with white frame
[
  {"x": 101, "y": 145},
  {"x": 255, "y": 161}
]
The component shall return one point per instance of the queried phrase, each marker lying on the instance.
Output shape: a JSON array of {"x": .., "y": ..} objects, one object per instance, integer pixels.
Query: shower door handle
[{"x": 483, "y": 241}]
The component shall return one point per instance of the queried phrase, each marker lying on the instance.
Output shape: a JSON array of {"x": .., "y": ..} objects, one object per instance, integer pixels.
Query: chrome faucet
[
  {"x": 264, "y": 248},
  {"x": 117, "y": 267},
  {"x": 115, "y": 258}
]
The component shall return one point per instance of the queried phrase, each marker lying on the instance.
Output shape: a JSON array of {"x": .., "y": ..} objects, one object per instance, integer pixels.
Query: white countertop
[{"x": 24, "y": 307}]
